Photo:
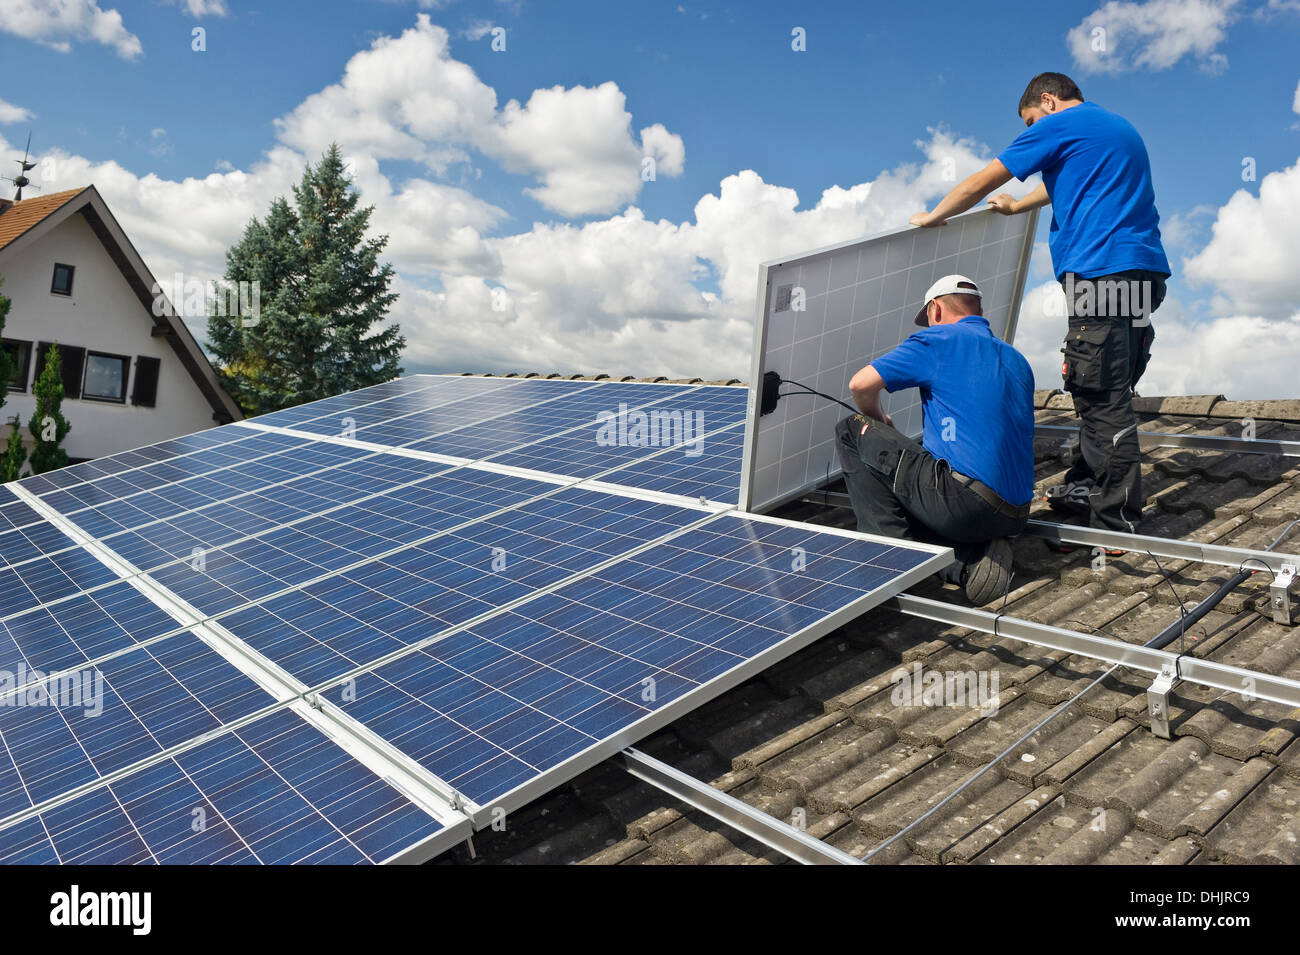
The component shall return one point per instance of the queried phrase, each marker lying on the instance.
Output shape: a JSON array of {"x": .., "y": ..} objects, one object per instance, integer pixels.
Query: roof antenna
[{"x": 24, "y": 167}]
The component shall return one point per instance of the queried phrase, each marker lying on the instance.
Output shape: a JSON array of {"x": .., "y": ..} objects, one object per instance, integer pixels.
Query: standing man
[
  {"x": 968, "y": 485},
  {"x": 1108, "y": 257}
]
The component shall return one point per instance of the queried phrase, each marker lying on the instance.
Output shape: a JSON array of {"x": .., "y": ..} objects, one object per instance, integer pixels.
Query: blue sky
[{"x": 186, "y": 145}]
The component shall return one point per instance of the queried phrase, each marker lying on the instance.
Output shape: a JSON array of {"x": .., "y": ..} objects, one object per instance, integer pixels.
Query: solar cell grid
[
  {"x": 856, "y": 301},
  {"x": 129, "y": 708},
  {"x": 275, "y": 792},
  {"x": 494, "y": 706}
]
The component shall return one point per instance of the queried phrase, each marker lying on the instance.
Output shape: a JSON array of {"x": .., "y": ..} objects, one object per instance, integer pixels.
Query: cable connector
[{"x": 771, "y": 393}]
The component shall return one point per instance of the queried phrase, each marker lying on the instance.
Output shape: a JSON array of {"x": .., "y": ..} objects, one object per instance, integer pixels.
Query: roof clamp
[
  {"x": 1067, "y": 448},
  {"x": 1158, "y": 699},
  {"x": 1279, "y": 595},
  {"x": 312, "y": 700}
]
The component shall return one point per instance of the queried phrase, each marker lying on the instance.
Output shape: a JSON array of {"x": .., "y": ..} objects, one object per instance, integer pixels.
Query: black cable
[
  {"x": 810, "y": 391},
  {"x": 1181, "y": 606}
]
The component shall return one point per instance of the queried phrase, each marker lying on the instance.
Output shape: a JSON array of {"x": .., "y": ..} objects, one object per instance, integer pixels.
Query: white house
[{"x": 131, "y": 376}]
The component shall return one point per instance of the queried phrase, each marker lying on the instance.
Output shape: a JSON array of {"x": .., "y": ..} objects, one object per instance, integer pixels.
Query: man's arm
[
  {"x": 1008, "y": 205},
  {"x": 967, "y": 192},
  {"x": 866, "y": 386}
]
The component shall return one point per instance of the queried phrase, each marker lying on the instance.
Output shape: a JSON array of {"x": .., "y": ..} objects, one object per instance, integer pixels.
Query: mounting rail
[
  {"x": 772, "y": 832},
  {"x": 1195, "y": 442},
  {"x": 1220, "y": 676}
]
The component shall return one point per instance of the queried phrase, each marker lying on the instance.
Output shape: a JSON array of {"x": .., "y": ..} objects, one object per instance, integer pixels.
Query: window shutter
[
  {"x": 145, "y": 391},
  {"x": 73, "y": 359}
]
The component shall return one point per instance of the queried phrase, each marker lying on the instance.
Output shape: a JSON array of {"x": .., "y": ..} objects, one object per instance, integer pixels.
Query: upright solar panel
[
  {"x": 403, "y": 629},
  {"x": 825, "y": 314}
]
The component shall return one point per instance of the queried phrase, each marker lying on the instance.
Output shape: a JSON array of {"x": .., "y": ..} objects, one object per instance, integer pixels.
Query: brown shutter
[
  {"x": 73, "y": 360},
  {"x": 145, "y": 390}
]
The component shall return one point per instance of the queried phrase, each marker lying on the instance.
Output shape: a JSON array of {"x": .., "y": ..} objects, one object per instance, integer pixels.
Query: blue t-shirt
[
  {"x": 977, "y": 397},
  {"x": 1097, "y": 173}
]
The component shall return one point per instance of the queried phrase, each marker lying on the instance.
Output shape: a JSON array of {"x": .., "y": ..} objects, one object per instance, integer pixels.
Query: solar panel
[
  {"x": 558, "y": 683},
  {"x": 343, "y": 650},
  {"x": 825, "y": 314},
  {"x": 277, "y": 791}
]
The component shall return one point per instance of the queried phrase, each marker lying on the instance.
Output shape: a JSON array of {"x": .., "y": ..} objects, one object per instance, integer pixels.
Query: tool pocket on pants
[
  {"x": 1142, "y": 352},
  {"x": 1088, "y": 364}
]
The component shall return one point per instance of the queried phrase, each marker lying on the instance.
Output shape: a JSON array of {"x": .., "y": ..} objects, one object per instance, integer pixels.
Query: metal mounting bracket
[
  {"x": 1279, "y": 595},
  {"x": 1066, "y": 450},
  {"x": 1158, "y": 699}
]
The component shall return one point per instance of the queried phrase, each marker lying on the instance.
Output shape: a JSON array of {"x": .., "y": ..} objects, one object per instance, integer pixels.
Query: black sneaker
[
  {"x": 1071, "y": 498},
  {"x": 989, "y": 577}
]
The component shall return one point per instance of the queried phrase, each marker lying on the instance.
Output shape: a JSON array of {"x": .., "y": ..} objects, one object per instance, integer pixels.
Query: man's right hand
[{"x": 1004, "y": 203}]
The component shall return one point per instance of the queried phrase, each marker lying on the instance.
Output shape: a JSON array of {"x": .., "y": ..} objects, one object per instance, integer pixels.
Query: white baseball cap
[{"x": 948, "y": 285}]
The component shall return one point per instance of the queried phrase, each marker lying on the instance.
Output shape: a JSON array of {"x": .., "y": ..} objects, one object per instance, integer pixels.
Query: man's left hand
[{"x": 924, "y": 219}]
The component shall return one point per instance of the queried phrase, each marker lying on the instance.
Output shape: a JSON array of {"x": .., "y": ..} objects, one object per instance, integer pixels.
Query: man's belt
[{"x": 992, "y": 496}]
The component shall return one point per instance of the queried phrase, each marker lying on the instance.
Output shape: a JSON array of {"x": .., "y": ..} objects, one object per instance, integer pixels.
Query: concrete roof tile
[
  {"x": 1196, "y": 405},
  {"x": 1262, "y": 827}
]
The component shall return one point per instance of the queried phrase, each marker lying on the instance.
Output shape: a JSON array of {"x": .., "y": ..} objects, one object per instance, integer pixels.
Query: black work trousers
[
  {"x": 899, "y": 489},
  {"x": 1106, "y": 351}
]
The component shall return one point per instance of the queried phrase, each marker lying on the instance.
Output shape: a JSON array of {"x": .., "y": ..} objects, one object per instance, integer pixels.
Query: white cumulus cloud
[
  {"x": 203, "y": 8},
  {"x": 9, "y": 113},
  {"x": 60, "y": 23},
  {"x": 407, "y": 98},
  {"x": 1250, "y": 259},
  {"x": 1122, "y": 35}
]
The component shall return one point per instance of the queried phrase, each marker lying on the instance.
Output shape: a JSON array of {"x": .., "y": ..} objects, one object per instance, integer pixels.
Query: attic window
[{"x": 62, "y": 282}]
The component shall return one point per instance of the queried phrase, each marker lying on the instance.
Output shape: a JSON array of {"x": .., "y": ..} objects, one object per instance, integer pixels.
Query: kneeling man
[{"x": 969, "y": 483}]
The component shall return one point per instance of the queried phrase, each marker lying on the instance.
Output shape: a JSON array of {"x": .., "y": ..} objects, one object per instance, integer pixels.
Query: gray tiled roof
[{"x": 817, "y": 738}]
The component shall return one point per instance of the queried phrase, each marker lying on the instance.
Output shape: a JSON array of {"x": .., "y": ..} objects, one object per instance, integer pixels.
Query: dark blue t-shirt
[
  {"x": 977, "y": 396},
  {"x": 1098, "y": 175}
]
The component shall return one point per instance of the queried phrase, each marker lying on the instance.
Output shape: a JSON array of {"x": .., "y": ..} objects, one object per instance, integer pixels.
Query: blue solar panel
[
  {"x": 123, "y": 709},
  {"x": 320, "y": 631},
  {"x": 494, "y": 706},
  {"x": 276, "y": 791},
  {"x": 478, "y": 612}
]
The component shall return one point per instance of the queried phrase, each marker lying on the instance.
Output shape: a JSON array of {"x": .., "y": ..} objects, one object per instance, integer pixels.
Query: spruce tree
[
  {"x": 323, "y": 299},
  {"x": 48, "y": 426}
]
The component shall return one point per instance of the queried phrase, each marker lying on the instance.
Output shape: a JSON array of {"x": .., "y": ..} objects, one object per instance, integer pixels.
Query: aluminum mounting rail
[
  {"x": 1285, "y": 568},
  {"x": 1220, "y": 676},
  {"x": 772, "y": 832},
  {"x": 1196, "y": 442},
  {"x": 1238, "y": 558}
]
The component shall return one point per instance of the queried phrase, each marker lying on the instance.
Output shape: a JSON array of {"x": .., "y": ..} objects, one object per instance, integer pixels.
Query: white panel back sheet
[{"x": 859, "y": 301}]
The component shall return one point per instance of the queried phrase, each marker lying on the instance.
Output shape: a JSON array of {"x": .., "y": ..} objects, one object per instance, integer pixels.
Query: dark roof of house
[{"x": 815, "y": 738}]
